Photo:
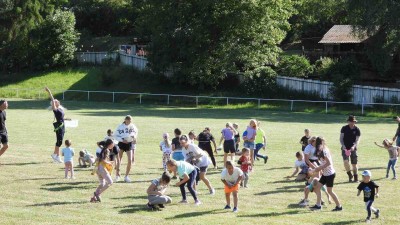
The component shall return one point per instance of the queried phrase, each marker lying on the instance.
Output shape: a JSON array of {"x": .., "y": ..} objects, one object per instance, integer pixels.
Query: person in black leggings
[{"x": 205, "y": 138}]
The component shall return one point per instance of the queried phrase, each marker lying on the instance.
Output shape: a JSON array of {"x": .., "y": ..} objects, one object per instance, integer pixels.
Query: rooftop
[{"x": 344, "y": 34}]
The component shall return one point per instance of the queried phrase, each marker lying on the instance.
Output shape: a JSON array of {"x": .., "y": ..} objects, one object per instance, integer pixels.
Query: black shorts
[
  {"x": 328, "y": 180},
  {"x": 229, "y": 146},
  {"x": 353, "y": 158},
  {"x": 124, "y": 147},
  {"x": 203, "y": 169},
  {"x": 4, "y": 138}
]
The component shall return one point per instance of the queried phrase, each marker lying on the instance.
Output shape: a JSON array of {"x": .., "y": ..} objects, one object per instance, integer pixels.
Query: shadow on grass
[
  {"x": 280, "y": 168},
  {"x": 194, "y": 214},
  {"x": 131, "y": 197},
  {"x": 67, "y": 186},
  {"x": 342, "y": 222},
  {"x": 20, "y": 164},
  {"x": 277, "y": 191},
  {"x": 58, "y": 203},
  {"x": 286, "y": 181},
  {"x": 41, "y": 178},
  {"x": 68, "y": 183},
  {"x": 132, "y": 208},
  {"x": 273, "y": 214},
  {"x": 294, "y": 206}
]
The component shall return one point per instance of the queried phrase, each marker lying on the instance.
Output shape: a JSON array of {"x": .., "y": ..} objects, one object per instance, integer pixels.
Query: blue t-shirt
[
  {"x": 68, "y": 154},
  {"x": 184, "y": 168}
]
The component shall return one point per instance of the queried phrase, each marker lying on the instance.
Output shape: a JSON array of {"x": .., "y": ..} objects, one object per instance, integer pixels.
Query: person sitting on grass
[
  {"x": 156, "y": 192},
  {"x": 231, "y": 177},
  {"x": 301, "y": 166},
  {"x": 85, "y": 157}
]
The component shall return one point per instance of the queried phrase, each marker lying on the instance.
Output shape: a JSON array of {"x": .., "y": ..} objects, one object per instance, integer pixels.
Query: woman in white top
[
  {"x": 309, "y": 153},
  {"x": 126, "y": 135},
  {"x": 328, "y": 174}
]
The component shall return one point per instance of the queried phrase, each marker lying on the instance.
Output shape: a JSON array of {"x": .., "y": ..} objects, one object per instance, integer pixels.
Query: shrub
[
  {"x": 294, "y": 66},
  {"x": 323, "y": 66},
  {"x": 261, "y": 81},
  {"x": 344, "y": 73}
]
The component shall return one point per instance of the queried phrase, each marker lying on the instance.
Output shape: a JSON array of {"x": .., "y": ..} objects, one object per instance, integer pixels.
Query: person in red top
[{"x": 245, "y": 166}]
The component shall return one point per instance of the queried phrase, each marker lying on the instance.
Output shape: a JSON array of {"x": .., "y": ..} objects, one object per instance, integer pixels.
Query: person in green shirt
[{"x": 261, "y": 142}]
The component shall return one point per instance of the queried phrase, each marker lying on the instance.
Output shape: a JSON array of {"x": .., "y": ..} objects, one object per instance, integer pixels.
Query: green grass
[{"x": 33, "y": 191}]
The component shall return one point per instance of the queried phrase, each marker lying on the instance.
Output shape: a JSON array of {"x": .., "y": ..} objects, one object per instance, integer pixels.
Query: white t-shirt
[
  {"x": 165, "y": 148},
  {"x": 299, "y": 163},
  {"x": 193, "y": 151},
  {"x": 310, "y": 151},
  {"x": 204, "y": 161},
  {"x": 129, "y": 132},
  {"x": 328, "y": 170},
  {"x": 231, "y": 178}
]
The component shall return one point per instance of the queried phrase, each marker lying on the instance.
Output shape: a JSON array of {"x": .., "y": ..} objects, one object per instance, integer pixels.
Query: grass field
[{"x": 33, "y": 190}]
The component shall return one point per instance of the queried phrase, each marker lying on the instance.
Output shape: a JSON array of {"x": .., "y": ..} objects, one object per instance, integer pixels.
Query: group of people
[{"x": 189, "y": 162}]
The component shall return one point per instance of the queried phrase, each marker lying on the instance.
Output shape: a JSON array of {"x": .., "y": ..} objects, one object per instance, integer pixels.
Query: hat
[
  {"x": 366, "y": 173},
  {"x": 352, "y": 119}
]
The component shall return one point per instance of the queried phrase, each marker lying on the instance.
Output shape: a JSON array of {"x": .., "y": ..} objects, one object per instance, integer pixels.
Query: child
[
  {"x": 231, "y": 177},
  {"x": 261, "y": 142},
  {"x": 314, "y": 178},
  {"x": 393, "y": 155},
  {"x": 109, "y": 135},
  {"x": 104, "y": 169},
  {"x": 68, "y": 154},
  {"x": 156, "y": 191},
  {"x": 369, "y": 186},
  {"x": 249, "y": 138},
  {"x": 236, "y": 137},
  {"x": 301, "y": 166},
  {"x": 304, "y": 139},
  {"x": 245, "y": 166},
  {"x": 85, "y": 157},
  {"x": 192, "y": 137},
  {"x": 165, "y": 147}
]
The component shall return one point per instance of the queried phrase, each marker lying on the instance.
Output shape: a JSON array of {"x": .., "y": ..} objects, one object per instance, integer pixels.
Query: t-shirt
[
  {"x": 251, "y": 133},
  {"x": 259, "y": 136},
  {"x": 184, "y": 168},
  {"x": 204, "y": 161},
  {"x": 175, "y": 141},
  {"x": 3, "y": 129},
  {"x": 166, "y": 149},
  {"x": 329, "y": 170},
  {"x": 302, "y": 165},
  {"x": 192, "y": 151},
  {"x": 368, "y": 189},
  {"x": 159, "y": 187},
  {"x": 304, "y": 142},
  {"x": 68, "y": 154},
  {"x": 349, "y": 135},
  {"x": 228, "y": 134},
  {"x": 231, "y": 178},
  {"x": 393, "y": 152},
  {"x": 59, "y": 115},
  {"x": 126, "y": 132},
  {"x": 205, "y": 140},
  {"x": 310, "y": 151},
  {"x": 113, "y": 152},
  {"x": 244, "y": 167}
]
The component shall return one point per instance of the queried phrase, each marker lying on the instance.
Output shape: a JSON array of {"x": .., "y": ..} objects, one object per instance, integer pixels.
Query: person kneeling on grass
[
  {"x": 231, "y": 177},
  {"x": 156, "y": 191}
]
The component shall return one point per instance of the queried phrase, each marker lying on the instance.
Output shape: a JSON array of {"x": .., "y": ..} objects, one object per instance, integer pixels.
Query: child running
[
  {"x": 156, "y": 192},
  {"x": 371, "y": 190},
  {"x": 68, "y": 154},
  {"x": 165, "y": 147},
  {"x": 249, "y": 138},
  {"x": 245, "y": 166},
  {"x": 231, "y": 177},
  {"x": 393, "y": 155}
]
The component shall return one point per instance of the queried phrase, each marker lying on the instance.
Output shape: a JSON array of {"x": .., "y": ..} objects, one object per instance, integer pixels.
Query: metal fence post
[
  {"x": 167, "y": 99},
  {"x": 140, "y": 99},
  {"x": 291, "y": 105},
  {"x": 197, "y": 101},
  {"x": 227, "y": 101},
  {"x": 326, "y": 107},
  {"x": 362, "y": 106},
  {"x": 113, "y": 97},
  {"x": 88, "y": 95},
  {"x": 259, "y": 103}
]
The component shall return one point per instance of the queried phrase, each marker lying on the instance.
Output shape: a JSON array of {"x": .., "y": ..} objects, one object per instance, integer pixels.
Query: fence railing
[
  {"x": 361, "y": 94},
  {"x": 98, "y": 58},
  {"x": 196, "y": 101}
]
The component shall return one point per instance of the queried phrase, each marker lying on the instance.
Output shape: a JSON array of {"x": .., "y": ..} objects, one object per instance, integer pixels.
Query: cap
[{"x": 366, "y": 173}]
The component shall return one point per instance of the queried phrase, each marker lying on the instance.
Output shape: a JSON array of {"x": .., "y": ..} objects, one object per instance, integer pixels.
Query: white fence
[
  {"x": 361, "y": 94},
  {"x": 135, "y": 61}
]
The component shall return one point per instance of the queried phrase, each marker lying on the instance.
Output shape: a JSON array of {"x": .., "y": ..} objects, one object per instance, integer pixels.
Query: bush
[
  {"x": 294, "y": 66},
  {"x": 323, "y": 66},
  {"x": 344, "y": 73},
  {"x": 261, "y": 81}
]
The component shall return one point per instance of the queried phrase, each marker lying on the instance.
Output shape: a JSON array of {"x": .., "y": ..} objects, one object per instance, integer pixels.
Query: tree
[
  {"x": 200, "y": 41},
  {"x": 380, "y": 19},
  {"x": 294, "y": 66}
]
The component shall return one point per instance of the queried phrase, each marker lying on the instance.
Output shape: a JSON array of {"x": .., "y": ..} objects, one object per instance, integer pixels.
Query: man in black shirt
[
  {"x": 349, "y": 139},
  {"x": 3, "y": 129},
  {"x": 396, "y": 137}
]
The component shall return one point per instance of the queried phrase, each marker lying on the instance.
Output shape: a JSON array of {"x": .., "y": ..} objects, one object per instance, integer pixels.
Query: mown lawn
[{"x": 33, "y": 190}]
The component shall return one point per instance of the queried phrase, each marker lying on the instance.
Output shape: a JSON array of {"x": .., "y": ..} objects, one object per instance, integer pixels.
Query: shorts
[
  {"x": 229, "y": 146},
  {"x": 352, "y": 158},
  {"x": 124, "y": 147},
  {"x": 250, "y": 145},
  {"x": 203, "y": 169},
  {"x": 311, "y": 187},
  {"x": 4, "y": 138},
  {"x": 328, "y": 180},
  {"x": 229, "y": 190}
]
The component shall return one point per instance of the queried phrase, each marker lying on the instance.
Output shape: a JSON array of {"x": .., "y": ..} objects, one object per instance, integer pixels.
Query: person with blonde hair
[
  {"x": 228, "y": 134},
  {"x": 249, "y": 137},
  {"x": 393, "y": 151},
  {"x": 166, "y": 148}
]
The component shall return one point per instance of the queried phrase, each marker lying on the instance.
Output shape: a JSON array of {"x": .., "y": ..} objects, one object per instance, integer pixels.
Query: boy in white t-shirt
[{"x": 300, "y": 166}]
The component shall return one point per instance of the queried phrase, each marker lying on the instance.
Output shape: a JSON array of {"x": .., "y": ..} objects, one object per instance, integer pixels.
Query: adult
[
  {"x": 3, "y": 128},
  {"x": 328, "y": 174},
  {"x": 349, "y": 139},
  {"x": 126, "y": 135},
  {"x": 261, "y": 142},
  {"x": 228, "y": 134},
  {"x": 197, "y": 157},
  {"x": 59, "y": 127},
  {"x": 309, "y": 153},
  {"x": 205, "y": 139},
  {"x": 396, "y": 137}
]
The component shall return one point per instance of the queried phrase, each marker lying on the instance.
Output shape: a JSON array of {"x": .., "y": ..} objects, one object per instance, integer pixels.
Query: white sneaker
[
  {"x": 304, "y": 203},
  {"x": 212, "y": 191},
  {"x": 197, "y": 202},
  {"x": 117, "y": 178},
  {"x": 127, "y": 179},
  {"x": 58, "y": 159},
  {"x": 54, "y": 157}
]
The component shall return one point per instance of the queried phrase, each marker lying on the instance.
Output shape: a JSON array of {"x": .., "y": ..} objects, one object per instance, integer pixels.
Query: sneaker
[
  {"x": 97, "y": 197},
  {"x": 377, "y": 213},
  {"x": 322, "y": 202},
  {"x": 66, "y": 177},
  {"x": 127, "y": 179},
  {"x": 54, "y": 157},
  {"x": 337, "y": 208},
  {"x": 265, "y": 159},
  {"x": 304, "y": 203},
  {"x": 212, "y": 191},
  {"x": 245, "y": 186},
  {"x": 227, "y": 207},
  {"x": 73, "y": 178},
  {"x": 161, "y": 206},
  {"x": 387, "y": 175},
  {"x": 197, "y": 202},
  {"x": 150, "y": 206},
  {"x": 235, "y": 209},
  {"x": 368, "y": 220},
  {"x": 93, "y": 200},
  {"x": 58, "y": 159},
  {"x": 184, "y": 202},
  {"x": 117, "y": 178},
  {"x": 315, "y": 208},
  {"x": 394, "y": 178}
]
